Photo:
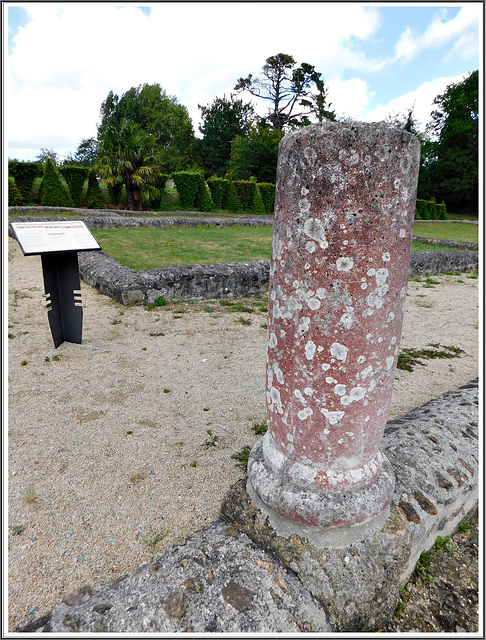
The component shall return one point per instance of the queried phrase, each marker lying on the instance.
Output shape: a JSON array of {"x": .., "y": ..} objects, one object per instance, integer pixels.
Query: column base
[{"x": 326, "y": 518}]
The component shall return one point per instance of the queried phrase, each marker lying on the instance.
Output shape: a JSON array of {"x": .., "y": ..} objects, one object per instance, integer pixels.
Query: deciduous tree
[
  {"x": 450, "y": 154},
  {"x": 222, "y": 121},
  {"x": 160, "y": 116}
]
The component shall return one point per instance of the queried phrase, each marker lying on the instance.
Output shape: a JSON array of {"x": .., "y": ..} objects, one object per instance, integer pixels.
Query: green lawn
[
  {"x": 446, "y": 231},
  {"x": 152, "y": 248}
]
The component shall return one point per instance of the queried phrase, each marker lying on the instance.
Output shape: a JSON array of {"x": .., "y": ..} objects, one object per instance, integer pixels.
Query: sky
[{"x": 377, "y": 59}]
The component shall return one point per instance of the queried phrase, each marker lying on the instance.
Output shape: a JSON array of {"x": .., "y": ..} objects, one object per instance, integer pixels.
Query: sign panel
[{"x": 54, "y": 237}]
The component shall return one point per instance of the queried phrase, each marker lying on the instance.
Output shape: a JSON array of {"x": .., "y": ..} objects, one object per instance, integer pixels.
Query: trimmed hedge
[
  {"x": 94, "y": 197},
  {"x": 430, "y": 210},
  {"x": 187, "y": 184},
  {"x": 53, "y": 192},
  {"x": 24, "y": 173},
  {"x": 267, "y": 192},
  {"x": 204, "y": 201},
  {"x": 75, "y": 177},
  {"x": 442, "y": 211},
  {"x": 14, "y": 195},
  {"x": 218, "y": 188},
  {"x": 250, "y": 198},
  {"x": 231, "y": 201}
]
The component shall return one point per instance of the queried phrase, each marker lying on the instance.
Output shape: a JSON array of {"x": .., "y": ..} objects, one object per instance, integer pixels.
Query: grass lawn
[
  {"x": 447, "y": 231},
  {"x": 152, "y": 248}
]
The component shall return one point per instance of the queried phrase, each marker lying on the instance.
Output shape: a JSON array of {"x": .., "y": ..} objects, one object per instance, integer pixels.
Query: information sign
[
  {"x": 54, "y": 237},
  {"x": 58, "y": 244}
]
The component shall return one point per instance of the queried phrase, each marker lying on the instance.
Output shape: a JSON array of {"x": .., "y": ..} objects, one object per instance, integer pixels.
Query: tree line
[{"x": 146, "y": 133}]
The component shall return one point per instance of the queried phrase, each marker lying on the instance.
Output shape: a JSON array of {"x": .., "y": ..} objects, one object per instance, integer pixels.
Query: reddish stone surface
[{"x": 343, "y": 227}]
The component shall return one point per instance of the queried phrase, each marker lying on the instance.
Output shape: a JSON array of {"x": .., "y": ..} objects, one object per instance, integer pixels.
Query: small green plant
[
  {"x": 423, "y": 564},
  {"x": 260, "y": 429},
  {"x": 10, "y": 336},
  {"x": 166, "y": 390},
  {"x": 467, "y": 525},
  {"x": 212, "y": 440},
  {"x": 409, "y": 357},
  {"x": 161, "y": 301},
  {"x": 156, "y": 335},
  {"x": 158, "y": 537},
  {"x": 441, "y": 543},
  {"x": 474, "y": 276},
  {"x": 430, "y": 282},
  {"x": 24, "y": 362},
  {"x": 194, "y": 463},
  {"x": 242, "y": 456},
  {"x": 400, "y": 608},
  {"x": 245, "y": 321},
  {"x": 17, "y": 529}
]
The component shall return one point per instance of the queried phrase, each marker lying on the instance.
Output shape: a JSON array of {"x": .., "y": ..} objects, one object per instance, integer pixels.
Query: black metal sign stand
[
  {"x": 58, "y": 244},
  {"x": 63, "y": 296}
]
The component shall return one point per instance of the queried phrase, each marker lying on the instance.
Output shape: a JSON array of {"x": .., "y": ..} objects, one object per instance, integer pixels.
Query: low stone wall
[
  {"x": 230, "y": 280},
  {"x": 454, "y": 244},
  {"x": 186, "y": 282},
  {"x": 201, "y": 282}
]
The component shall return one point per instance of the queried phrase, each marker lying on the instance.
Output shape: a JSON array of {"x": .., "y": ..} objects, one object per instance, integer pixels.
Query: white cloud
[
  {"x": 460, "y": 32},
  {"x": 70, "y": 55},
  {"x": 348, "y": 97},
  {"x": 421, "y": 99}
]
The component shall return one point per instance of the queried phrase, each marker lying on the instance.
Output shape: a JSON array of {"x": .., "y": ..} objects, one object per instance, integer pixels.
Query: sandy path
[{"x": 110, "y": 458}]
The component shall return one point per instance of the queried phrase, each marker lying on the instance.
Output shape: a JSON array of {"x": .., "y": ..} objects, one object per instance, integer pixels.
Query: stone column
[{"x": 342, "y": 236}]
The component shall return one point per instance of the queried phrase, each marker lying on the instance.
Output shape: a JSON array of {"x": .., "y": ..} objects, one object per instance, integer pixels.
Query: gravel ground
[{"x": 120, "y": 445}]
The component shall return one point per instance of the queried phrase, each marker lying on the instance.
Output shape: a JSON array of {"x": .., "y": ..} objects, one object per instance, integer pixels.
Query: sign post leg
[{"x": 63, "y": 290}]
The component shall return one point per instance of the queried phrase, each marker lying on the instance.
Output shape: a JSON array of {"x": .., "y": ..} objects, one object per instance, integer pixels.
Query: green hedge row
[
  {"x": 430, "y": 210},
  {"x": 245, "y": 196},
  {"x": 61, "y": 187}
]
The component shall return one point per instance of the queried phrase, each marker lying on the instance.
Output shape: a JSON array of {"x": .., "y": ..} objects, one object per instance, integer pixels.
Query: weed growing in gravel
[
  {"x": 423, "y": 563},
  {"x": 212, "y": 440},
  {"x": 30, "y": 497},
  {"x": 260, "y": 429},
  {"x": 158, "y": 537},
  {"x": 17, "y": 529},
  {"x": 242, "y": 456},
  {"x": 160, "y": 302},
  {"x": 467, "y": 525},
  {"x": 409, "y": 357},
  {"x": 245, "y": 321},
  {"x": 24, "y": 362},
  {"x": 430, "y": 283},
  {"x": 441, "y": 543}
]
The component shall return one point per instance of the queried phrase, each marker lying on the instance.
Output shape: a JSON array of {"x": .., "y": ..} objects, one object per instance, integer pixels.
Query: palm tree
[{"x": 128, "y": 155}]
